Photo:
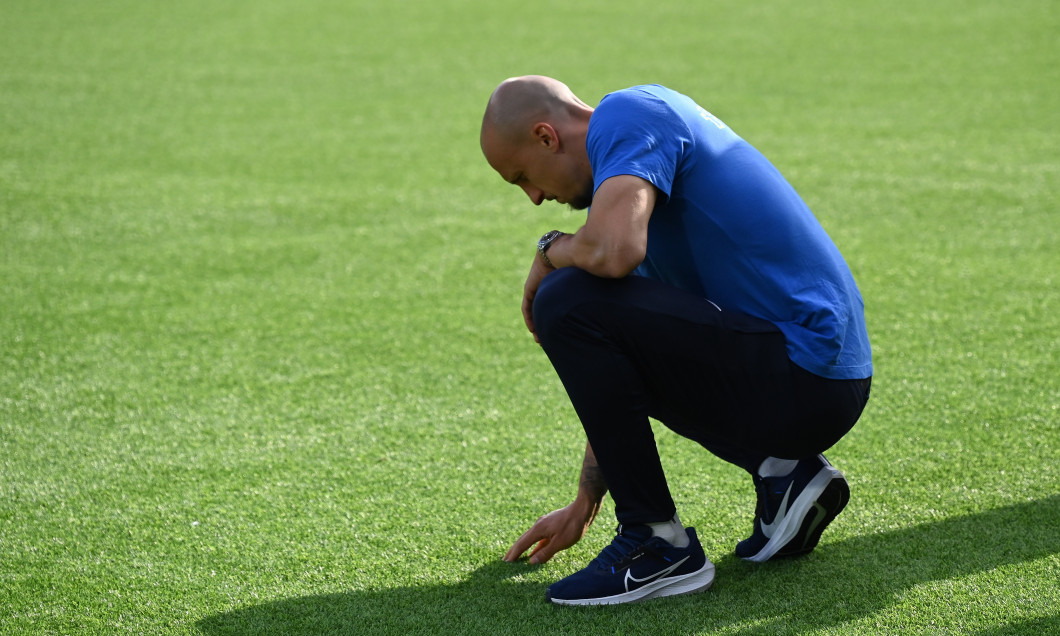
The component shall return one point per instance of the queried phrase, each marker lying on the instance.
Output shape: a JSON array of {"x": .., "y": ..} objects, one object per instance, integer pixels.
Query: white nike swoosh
[
  {"x": 767, "y": 528},
  {"x": 657, "y": 575}
]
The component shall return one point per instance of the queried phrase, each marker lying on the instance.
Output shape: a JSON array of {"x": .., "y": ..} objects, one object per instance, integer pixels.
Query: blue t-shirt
[{"x": 729, "y": 227}]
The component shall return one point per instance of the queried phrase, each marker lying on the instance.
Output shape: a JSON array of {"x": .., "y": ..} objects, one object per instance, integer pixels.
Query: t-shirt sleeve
[{"x": 635, "y": 133}]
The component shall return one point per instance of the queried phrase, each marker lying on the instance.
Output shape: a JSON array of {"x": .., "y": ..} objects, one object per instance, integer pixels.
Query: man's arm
[
  {"x": 562, "y": 528},
  {"x": 614, "y": 239},
  {"x": 611, "y": 244},
  {"x": 591, "y": 484}
]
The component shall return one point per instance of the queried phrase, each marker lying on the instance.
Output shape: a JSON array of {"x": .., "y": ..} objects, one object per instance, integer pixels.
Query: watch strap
[{"x": 546, "y": 242}]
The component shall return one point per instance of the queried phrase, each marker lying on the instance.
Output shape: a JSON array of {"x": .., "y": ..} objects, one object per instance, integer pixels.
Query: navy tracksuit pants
[{"x": 633, "y": 348}]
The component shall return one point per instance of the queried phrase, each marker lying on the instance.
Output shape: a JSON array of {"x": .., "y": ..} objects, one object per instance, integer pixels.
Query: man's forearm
[
  {"x": 586, "y": 251},
  {"x": 614, "y": 239},
  {"x": 591, "y": 484}
]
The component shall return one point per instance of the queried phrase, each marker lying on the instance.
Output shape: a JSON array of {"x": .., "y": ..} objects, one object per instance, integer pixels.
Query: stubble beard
[{"x": 582, "y": 201}]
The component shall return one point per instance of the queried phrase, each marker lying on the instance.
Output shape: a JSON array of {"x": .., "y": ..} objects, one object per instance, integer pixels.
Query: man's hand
[
  {"x": 611, "y": 244},
  {"x": 538, "y": 271},
  {"x": 558, "y": 530}
]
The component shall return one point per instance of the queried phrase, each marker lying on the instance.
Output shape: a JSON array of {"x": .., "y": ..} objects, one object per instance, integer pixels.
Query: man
[{"x": 701, "y": 292}]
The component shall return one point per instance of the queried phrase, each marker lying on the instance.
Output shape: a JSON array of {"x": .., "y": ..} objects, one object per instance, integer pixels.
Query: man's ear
[{"x": 546, "y": 136}]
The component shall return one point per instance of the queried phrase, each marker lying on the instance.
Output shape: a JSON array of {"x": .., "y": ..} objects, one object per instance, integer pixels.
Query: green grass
[{"x": 262, "y": 368}]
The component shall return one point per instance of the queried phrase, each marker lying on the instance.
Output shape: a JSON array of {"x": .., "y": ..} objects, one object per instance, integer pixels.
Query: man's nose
[{"x": 536, "y": 195}]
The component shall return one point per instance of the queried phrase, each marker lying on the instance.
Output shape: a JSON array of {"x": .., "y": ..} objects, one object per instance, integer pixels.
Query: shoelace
[{"x": 622, "y": 547}]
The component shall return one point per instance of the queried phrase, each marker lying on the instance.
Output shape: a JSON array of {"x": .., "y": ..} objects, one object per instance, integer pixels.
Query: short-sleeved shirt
[{"x": 729, "y": 227}]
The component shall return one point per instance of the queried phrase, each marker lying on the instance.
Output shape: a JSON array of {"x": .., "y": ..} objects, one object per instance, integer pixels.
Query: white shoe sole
[
  {"x": 691, "y": 583},
  {"x": 789, "y": 525}
]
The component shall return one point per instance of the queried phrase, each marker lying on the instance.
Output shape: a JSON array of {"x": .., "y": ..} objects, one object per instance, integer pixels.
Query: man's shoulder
[
  {"x": 640, "y": 104},
  {"x": 634, "y": 95},
  {"x": 638, "y": 131}
]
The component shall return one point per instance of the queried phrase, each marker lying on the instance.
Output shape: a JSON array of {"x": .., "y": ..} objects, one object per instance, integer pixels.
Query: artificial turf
[{"x": 262, "y": 368}]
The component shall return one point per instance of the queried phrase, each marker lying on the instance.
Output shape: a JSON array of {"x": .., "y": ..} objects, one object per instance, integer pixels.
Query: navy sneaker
[
  {"x": 636, "y": 567},
  {"x": 794, "y": 510}
]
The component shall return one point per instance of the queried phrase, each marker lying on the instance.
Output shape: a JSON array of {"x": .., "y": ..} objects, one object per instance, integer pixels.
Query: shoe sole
[
  {"x": 691, "y": 583},
  {"x": 830, "y": 504},
  {"x": 798, "y": 515}
]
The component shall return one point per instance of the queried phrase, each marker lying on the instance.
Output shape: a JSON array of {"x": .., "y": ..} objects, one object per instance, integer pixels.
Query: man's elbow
[{"x": 618, "y": 263}]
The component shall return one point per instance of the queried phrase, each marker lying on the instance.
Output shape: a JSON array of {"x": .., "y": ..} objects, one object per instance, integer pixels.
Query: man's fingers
[
  {"x": 542, "y": 552},
  {"x": 528, "y": 318},
  {"x": 528, "y": 312},
  {"x": 515, "y": 552},
  {"x": 523, "y": 544},
  {"x": 551, "y": 533}
]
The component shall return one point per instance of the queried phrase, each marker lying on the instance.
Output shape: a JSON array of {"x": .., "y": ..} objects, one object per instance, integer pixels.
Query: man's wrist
[
  {"x": 586, "y": 506},
  {"x": 546, "y": 242}
]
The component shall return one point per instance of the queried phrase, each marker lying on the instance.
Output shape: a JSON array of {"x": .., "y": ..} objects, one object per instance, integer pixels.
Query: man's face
[{"x": 542, "y": 173}]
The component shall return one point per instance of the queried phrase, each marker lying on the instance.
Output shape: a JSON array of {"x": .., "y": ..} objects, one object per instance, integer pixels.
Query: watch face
[{"x": 547, "y": 239}]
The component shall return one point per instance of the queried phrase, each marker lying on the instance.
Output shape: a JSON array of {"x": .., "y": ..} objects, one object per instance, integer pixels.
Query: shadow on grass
[{"x": 840, "y": 582}]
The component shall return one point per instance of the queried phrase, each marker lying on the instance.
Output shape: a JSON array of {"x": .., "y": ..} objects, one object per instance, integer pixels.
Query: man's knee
[{"x": 560, "y": 293}]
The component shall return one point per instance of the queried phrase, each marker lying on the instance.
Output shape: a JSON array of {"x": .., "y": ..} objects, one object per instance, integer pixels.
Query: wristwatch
[{"x": 546, "y": 242}]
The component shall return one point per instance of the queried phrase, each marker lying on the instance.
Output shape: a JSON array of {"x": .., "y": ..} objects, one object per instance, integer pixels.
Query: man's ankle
[{"x": 671, "y": 531}]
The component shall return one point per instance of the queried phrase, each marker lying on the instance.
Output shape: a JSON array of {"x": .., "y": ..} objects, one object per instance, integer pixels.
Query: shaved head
[
  {"x": 533, "y": 134},
  {"x": 520, "y": 102}
]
